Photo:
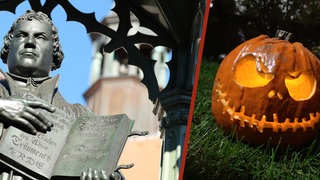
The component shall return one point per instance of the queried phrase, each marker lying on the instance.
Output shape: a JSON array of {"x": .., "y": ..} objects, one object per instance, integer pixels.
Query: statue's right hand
[{"x": 23, "y": 113}]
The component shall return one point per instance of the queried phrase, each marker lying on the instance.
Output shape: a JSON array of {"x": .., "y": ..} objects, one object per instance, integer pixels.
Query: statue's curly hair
[{"x": 30, "y": 15}]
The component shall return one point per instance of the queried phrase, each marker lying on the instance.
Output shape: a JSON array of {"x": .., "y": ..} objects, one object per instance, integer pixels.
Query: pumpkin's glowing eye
[
  {"x": 246, "y": 74},
  {"x": 301, "y": 86}
]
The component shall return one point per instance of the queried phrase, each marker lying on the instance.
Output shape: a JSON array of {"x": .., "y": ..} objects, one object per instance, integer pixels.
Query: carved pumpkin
[{"x": 268, "y": 89}]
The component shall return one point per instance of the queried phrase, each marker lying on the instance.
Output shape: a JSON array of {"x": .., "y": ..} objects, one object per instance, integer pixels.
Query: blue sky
[{"x": 76, "y": 45}]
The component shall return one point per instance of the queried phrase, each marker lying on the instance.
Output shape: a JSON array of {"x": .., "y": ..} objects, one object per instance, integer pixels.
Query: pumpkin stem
[{"x": 282, "y": 34}]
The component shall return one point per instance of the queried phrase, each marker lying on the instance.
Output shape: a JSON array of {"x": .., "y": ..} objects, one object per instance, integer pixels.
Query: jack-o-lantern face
[{"x": 268, "y": 89}]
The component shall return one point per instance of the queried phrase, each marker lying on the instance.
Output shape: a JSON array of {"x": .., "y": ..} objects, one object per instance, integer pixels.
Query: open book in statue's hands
[{"x": 70, "y": 148}]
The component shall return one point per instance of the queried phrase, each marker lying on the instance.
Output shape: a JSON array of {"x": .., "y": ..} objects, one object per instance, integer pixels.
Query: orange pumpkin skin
[{"x": 268, "y": 89}]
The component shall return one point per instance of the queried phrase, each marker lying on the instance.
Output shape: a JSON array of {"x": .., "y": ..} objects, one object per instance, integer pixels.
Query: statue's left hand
[{"x": 92, "y": 174}]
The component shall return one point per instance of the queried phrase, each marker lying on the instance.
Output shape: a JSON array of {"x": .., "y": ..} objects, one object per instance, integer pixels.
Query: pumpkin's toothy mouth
[{"x": 247, "y": 121}]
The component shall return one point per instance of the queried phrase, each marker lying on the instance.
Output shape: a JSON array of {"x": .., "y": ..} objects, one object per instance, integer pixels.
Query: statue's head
[{"x": 32, "y": 41}]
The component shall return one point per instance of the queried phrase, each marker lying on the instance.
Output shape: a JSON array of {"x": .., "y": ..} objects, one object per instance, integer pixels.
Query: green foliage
[
  {"x": 214, "y": 155},
  {"x": 233, "y": 21}
]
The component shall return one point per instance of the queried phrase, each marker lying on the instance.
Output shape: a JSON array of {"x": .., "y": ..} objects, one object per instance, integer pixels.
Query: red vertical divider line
[{"x": 194, "y": 90}]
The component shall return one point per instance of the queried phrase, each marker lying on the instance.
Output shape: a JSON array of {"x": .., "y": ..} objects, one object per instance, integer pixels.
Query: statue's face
[{"x": 31, "y": 49}]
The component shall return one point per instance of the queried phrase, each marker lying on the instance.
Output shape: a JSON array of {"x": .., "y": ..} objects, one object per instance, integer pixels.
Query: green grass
[{"x": 215, "y": 155}]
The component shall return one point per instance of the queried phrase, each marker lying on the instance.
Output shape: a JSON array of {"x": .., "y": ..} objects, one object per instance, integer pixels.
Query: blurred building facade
[{"x": 115, "y": 88}]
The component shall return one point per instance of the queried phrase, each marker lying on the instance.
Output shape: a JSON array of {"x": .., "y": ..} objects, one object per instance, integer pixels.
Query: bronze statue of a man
[{"x": 31, "y": 50}]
